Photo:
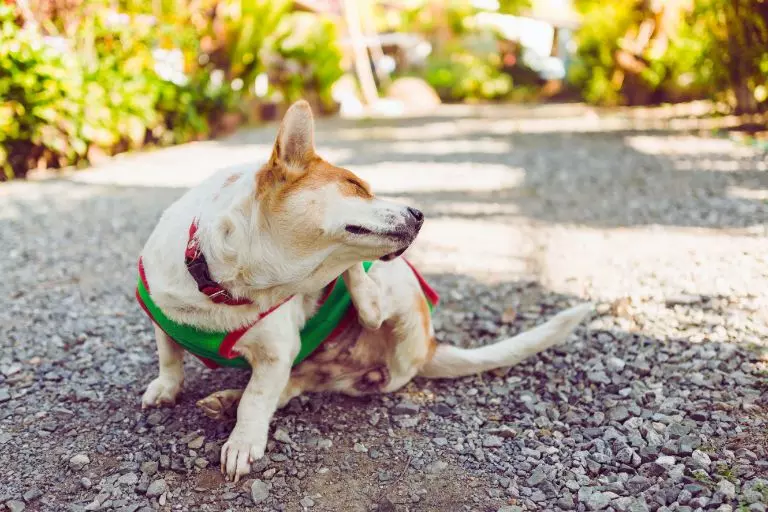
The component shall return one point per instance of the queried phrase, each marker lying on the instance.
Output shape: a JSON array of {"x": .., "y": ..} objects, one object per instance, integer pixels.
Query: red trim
[
  {"x": 431, "y": 294},
  {"x": 328, "y": 290},
  {"x": 228, "y": 343},
  {"x": 207, "y": 362},
  {"x": 143, "y": 275}
]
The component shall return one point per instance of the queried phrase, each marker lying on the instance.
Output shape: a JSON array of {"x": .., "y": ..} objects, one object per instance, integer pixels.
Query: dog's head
[{"x": 325, "y": 217}]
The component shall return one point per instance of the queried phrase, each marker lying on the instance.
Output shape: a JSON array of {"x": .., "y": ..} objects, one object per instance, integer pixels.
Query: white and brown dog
[{"x": 251, "y": 255}]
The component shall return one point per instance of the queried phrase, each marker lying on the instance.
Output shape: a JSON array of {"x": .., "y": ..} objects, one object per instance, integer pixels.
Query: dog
[{"x": 247, "y": 261}]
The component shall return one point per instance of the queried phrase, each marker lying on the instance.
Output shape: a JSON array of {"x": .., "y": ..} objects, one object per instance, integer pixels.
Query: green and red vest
[{"x": 215, "y": 349}]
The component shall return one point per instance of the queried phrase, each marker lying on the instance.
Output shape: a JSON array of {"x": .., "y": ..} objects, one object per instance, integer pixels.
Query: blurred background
[{"x": 85, "y": 79}]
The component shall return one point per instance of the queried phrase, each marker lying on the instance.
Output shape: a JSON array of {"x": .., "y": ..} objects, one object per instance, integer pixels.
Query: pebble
[
  {"x": 436, "y": 467},
  {"x": 156, "y": 488},
  {"x": 149, "y": 467},
  {"x": 196, "y": 443},
  {"x": 282, "y": 436},
  {"x": 442, "y": 409},
  {"x": 538, "y": 476},
  {"x": 307, "y": 502},
  {"x": 32, "y": 494},
  {"x": 15, "y": 506},
  {"x": 128, "y": 479},
  {"x": 491, "y": 441},
  {"x": 700, "y": 459},
  {"x": 727, "y": 489},
  {"x": 259, "y": 491},
  {"x": 360, "y": 448},
  {"x": 406, "y": 408},
  {"x": 324, "y": 444},
  {"x": 79, "y": 461}
]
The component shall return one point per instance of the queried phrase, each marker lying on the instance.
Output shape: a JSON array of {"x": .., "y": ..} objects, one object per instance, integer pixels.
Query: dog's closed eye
[{"x": 358, "y": 230}]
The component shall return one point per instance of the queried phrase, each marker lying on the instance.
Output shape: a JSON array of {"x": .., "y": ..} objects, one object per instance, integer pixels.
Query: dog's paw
[
  {"x": 238, "y": 453},
  {"x": 220, "y": 404},
  {"x": 369, "y": 309},
  {"x": 161, "y": 391}
]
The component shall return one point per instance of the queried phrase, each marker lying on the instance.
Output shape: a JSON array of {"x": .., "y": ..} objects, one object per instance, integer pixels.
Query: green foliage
[
  {"x": 718, "y": 50},
  {"x": 305, "y": 56},
  {"x": 110, "y": 90},
  {"x": 40, "y": 95},
  {"x": 466, "y": 76},
  {"x": 603, "y": 24}
]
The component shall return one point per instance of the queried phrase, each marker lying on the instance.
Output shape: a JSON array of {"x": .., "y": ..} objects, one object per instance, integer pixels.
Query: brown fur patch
[
  {"x": 231, "y": 179},
  {"x": 424, "y": 314},
  {"x": 275, "y": 181}
]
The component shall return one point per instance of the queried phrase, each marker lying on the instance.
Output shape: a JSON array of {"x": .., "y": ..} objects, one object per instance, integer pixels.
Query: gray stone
[
  {"x": 128, "y": 479},
  {"x": 307, "y": 502},
  {"x": 15, "y": 506},
  {"x": 149, "y": 467},
  {"x": 638, "y": 505},
  {"x": 700, "y": 459},
  {"x": 538, "y": 476},
  {"x": 490, "y": 441},
  {"x": 598, "y": 500},
  {"x": 405, "y": 408},
  {"x": 32, "y": 494},
  {"x": 727, "y": 489},
  {"x": 79, "y": 461},
  {"x": 566, "y": 501},
  {"x": 196, "y": 443},
  {"x": 156, "y": 488},
  {"x": 259, "y": 491},
  {"x": 618, "y": 413},
  {"x": 436, "y": 467}
]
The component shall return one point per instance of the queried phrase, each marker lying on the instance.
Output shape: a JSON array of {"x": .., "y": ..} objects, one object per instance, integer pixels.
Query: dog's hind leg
[
  {"x": 222, "y": 404},
  {"x": 366, "y": 296},
  {"x": 166, "y": 387}
]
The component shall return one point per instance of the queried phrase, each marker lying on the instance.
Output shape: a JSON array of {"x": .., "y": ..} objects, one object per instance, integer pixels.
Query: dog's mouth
[
  {"x": 393, "y": 255},
  {"x": 403, "y": 237}
]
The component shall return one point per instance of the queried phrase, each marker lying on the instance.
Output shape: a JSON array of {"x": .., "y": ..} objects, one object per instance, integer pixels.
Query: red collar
[{"x": 198, "y": 269}]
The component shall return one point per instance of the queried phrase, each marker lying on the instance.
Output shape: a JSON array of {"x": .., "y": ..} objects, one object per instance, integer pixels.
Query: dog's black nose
[{"x": 416, "y": 214}]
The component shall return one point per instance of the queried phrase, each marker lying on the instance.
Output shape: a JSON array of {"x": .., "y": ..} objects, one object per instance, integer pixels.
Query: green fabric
[{"x": 206, "y": 344}]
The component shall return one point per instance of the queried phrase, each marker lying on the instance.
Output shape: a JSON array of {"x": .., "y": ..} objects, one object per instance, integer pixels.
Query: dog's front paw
[
  {"x": 238, "y": 453},
  {"x": 369, "y": 311},
  {"x": 161, "y": 391}
]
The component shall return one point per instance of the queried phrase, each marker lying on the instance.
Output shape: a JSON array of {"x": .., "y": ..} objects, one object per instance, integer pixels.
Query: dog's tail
[{"x": 451, "y": 362}]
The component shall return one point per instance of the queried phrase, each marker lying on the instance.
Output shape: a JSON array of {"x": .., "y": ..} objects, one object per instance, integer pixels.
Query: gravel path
[{"x": 660, "y": 402}]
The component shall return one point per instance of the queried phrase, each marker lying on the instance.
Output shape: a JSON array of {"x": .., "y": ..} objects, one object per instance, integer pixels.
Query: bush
[
  {"x": 465, "y": 76},
  {"x": 716, "y": 49},
  {"x": 166, "y": 73},
  {"x": 40, "y": 97},
  {"x": 304, "y": 56},
  {"x": 101, "y": 96}
]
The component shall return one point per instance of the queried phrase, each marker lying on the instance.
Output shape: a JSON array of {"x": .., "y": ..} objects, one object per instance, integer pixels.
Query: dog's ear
[{"x": 295, "y": 144}]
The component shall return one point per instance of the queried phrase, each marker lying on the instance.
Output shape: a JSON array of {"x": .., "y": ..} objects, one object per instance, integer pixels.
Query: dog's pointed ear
[{"x": 295, "y": 144}]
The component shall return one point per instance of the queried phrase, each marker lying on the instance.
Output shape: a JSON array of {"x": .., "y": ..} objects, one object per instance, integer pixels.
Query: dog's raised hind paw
[
  {"x": 162, "y": 391},
  {"x": 220, "y": 404}
]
